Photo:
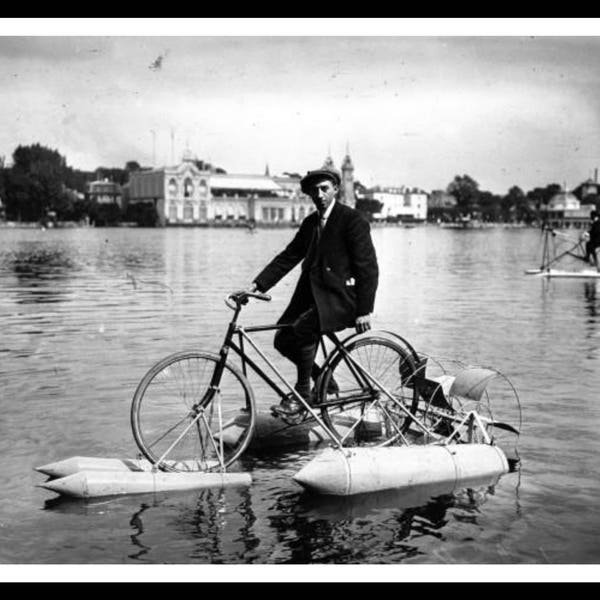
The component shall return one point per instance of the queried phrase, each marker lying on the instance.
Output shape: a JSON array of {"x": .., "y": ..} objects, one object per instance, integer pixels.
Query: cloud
[
  {"x": 484, "y": 106},
  {"x": 54, "y": 49}
]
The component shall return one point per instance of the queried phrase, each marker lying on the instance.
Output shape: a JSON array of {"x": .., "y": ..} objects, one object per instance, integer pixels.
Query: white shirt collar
[{"x": 327, "y": 212}]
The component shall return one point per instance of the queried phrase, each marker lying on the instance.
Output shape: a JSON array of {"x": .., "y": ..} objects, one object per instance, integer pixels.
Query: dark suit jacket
[
  {"x": 595, "y": 233},
  {"x": 340, "y": 276}
]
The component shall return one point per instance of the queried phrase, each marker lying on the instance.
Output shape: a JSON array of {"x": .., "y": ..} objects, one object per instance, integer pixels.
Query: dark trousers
[{"x": 299, "y": 343}]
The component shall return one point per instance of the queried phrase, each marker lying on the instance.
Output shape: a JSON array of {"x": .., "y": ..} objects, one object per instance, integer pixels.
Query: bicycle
[{"x": 196, "y": 411}]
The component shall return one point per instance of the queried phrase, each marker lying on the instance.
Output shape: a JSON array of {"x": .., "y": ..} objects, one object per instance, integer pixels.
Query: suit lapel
[
  {"x": 330, "y": 228},
  {"x": 311, "y": 239}
]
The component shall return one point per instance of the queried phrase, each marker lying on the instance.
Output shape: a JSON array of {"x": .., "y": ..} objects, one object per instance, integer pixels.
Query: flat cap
[{"x": 312, "y": 176}]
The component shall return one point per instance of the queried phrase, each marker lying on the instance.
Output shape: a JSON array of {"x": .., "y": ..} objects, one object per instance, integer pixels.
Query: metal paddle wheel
[{"x": 461, "y": 403}]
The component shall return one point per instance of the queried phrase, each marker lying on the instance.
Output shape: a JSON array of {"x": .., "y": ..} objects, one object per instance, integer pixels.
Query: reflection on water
[
  {"x": 361, "y": 505},
  {"x": 138, "y": 525},
  {"x": 41, "y": 271},
  {"x": 33, "y": 260},
  {"x": 295, "y": 527},
  {"x": 592, "y": 331},
  {"x": 591, "y": 297}
]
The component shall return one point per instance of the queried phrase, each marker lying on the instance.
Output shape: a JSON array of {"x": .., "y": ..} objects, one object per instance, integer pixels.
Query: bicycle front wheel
[
  {"x": 182, "y": 423},
  {"x": 354, "y": 405}
]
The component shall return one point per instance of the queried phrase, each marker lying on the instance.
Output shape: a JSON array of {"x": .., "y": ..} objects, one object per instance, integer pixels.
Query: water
[{"x": 85, "y": 312}]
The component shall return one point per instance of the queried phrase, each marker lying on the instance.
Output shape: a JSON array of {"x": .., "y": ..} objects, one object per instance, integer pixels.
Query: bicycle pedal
[{"x": 294, "y": 419}]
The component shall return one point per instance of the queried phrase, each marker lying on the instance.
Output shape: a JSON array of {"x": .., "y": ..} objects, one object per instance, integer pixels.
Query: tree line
[
  {"x": 40, "y": 185},
  {"x": 516, "y": 206}
]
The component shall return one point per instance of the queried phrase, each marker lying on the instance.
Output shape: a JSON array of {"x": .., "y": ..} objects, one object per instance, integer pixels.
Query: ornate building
[
  {"x": 186, "y": 194},
  {"x": 180, "y": 194},
  {"x": 192, "y": 193},
  {"x": 565, "y": 210}
]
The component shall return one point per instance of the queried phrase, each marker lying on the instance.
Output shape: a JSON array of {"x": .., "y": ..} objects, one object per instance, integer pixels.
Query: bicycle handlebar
[{"x": 242, "y": 298}]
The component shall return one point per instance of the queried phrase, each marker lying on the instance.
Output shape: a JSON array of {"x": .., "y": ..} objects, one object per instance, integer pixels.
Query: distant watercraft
[
  {"x": 585, "y": 273},
  {"x": 558, "y": 246}
]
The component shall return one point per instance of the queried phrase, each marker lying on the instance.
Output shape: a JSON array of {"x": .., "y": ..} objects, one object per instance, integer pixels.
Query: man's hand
[
  {"x": 251, "y": 288},
  {"x": 363, "y": 323}
]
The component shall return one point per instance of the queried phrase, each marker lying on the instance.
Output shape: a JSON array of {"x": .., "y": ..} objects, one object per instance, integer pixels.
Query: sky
[{"x": 415, "y": 106}]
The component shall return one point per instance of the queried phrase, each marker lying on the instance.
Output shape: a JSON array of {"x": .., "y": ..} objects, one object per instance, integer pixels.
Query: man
[
  {"x": 337, "y": 283},
  {"x": 593, "y": 242}
]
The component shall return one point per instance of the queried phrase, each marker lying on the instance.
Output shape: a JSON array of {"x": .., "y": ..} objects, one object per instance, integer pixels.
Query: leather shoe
[{"x": 289, "y": 407}]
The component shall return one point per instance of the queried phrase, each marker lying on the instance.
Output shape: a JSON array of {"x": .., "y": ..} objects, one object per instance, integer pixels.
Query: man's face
[{"x": 323, "y": 193}]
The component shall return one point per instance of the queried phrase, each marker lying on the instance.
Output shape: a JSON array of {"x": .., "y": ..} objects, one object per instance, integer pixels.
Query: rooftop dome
[
  {"x": 188, "y": 156},
  {"x": 564, "y": 201}
]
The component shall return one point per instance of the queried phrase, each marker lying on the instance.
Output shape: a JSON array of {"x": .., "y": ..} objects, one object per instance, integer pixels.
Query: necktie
[{"x": 312, "y": 250}]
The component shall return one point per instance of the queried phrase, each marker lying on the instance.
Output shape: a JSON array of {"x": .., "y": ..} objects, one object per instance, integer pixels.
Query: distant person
[
  {"x": 337, "y": 284},
  {"x": 593, "y": 243}
]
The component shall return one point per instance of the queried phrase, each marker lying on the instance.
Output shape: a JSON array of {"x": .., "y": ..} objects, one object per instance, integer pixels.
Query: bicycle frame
[
  {"x": 242, "y": 333},
  {"x": 549, "y": 258},
  {"x": 358, "y": 371},
  {"x": 352, "y": 404}
]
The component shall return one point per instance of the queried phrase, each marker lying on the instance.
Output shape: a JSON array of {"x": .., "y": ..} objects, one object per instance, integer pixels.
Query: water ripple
[{"x": 85, "y": 314}]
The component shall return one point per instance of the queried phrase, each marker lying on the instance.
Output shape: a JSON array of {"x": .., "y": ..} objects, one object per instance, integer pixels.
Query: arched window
[
  {"x": 188, "y": 187},
  {"x": 172, "y": 187}
]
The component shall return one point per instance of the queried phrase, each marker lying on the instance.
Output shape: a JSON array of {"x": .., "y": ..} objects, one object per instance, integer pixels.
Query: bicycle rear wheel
[
  {"x": 181, "y": 423},
  {"x": 354, "y": 407}
]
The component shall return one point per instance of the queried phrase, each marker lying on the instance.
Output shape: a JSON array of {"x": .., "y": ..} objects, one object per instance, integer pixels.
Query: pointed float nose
[
  {"x": 94, "y": 483},
  {"x": 60, "y": 468},
  {"x": 72, "y": 485},
  {"x": 327, "y": 473}
]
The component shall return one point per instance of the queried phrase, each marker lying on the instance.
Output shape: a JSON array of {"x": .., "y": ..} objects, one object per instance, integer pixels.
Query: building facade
[
  {"x": 104, "y": 191},
  {"x": 400, "y": 204},
  {"x": 565, "y": 210},
  {"x": 188, "y": 195}
]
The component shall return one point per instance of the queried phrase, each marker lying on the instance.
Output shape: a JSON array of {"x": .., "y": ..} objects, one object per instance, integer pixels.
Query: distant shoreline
[{"x": 376, "y": 225}]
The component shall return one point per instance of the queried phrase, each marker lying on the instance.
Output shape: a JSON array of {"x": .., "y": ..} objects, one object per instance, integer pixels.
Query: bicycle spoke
[
  {"x": 177, "y": 415},
  {"x": 179, "y": 438},
  {"x": 378, "y": 419},
  {"x": 166, "y": 433}
]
